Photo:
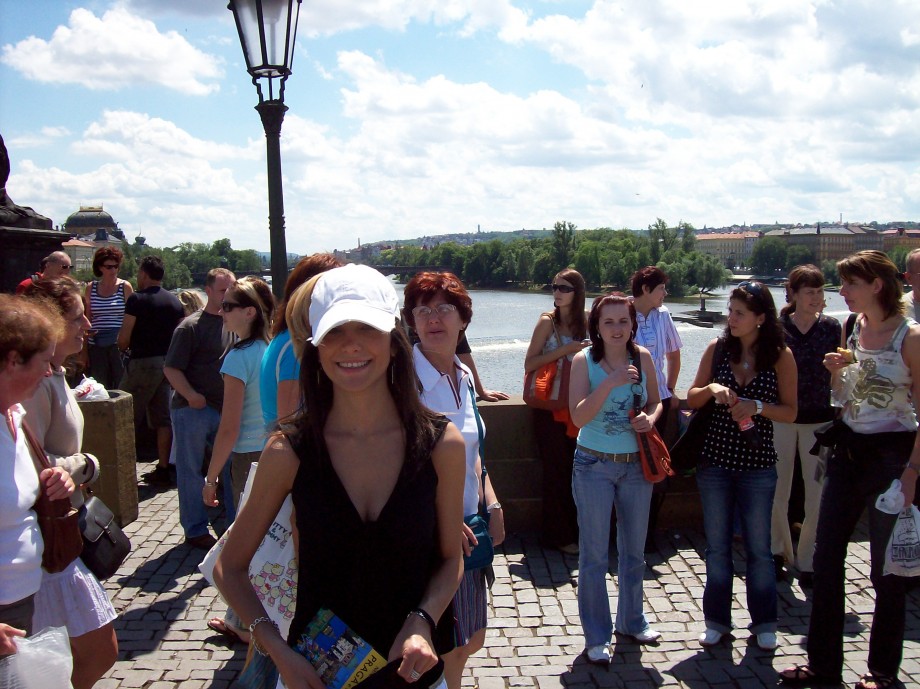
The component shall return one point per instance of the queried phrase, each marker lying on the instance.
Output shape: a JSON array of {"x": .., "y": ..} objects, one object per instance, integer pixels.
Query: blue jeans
[
  {"x": 193, "y": 431},
  {"x": 860, "y": 469},
  {"x": 597, "y": 487},
  {"x": 721, "y": 491}
]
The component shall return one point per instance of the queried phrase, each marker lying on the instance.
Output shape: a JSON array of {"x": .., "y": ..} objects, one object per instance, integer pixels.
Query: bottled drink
[{"x": 749, "y": 431}]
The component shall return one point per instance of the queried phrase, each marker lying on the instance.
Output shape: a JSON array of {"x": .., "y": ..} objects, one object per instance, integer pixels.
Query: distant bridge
[{"x": 402, "y": 271}]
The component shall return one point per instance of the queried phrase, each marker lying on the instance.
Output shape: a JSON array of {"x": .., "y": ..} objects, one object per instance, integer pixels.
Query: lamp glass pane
[
  {"x": 275, "y": 19},
  {"x": 248, "y": 18}
]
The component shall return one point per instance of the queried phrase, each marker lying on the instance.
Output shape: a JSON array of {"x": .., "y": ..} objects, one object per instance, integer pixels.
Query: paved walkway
[{"x": 534, "y": 637}]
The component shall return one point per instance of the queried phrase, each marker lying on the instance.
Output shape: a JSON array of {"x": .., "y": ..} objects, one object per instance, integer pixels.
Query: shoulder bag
[
  {"x": 484, "y": 552},
  {"x": 105, "y": 545},
  {"x": 548, "y": 386},
  {"x": 685, "y": 454},
  {"x": 58, "y": 520},
  {"x": 653, "y": 453}
]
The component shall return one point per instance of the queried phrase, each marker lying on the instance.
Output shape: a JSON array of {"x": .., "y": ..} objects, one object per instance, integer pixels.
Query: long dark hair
[
  {"x": 576, "y": 322},
  {"x": 870, "y": 264},
  {"x": 807, "y": 275},
  {"x": 307, "y": 426},
  {"x": 770, "y": 338},
  {"x": 594, "y": 319}
]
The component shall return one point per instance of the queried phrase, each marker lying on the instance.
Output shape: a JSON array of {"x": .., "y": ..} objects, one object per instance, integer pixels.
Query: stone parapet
[
  {"x": 108, "y": 433},
  {"x": 516, "y": 472}
]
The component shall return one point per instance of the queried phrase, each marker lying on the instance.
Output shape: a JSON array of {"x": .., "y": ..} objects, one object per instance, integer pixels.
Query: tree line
[
  {"x": 185, "y": 260},
  {"x": 606, "y": 258}
]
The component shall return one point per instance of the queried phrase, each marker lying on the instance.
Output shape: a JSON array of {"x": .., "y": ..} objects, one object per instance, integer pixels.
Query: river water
[{"x": 503, "y": 323}]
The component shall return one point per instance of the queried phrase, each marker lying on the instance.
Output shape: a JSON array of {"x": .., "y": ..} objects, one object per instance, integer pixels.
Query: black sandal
[
  {"x": 804, "y": 676},
  {"x": 875, "y": 680}
]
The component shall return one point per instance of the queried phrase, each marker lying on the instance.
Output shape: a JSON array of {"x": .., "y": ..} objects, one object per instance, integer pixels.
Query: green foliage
[
  {"x": 829, "y": 268},
  {"x": 798, "y": 255},
  {"x": 898, "y": 256},
  {"x": 769, "y": 255},
  {"x": 563, "y": 243}
]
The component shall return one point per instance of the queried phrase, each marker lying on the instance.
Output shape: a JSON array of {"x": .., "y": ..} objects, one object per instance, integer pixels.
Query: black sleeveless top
[{"x": 370, "y": 574}]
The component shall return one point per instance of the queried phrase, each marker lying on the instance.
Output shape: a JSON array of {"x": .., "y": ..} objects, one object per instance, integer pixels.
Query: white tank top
[{"x": 879, "y": 386}]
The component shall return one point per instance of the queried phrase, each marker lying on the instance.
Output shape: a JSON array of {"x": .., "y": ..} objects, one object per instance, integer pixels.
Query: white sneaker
[
  {"x": 767, "y": 641},
  {"x": 600, "y": 655},
  {"x": 710, "y": 637},
  {"x": 649, "y": 636}
]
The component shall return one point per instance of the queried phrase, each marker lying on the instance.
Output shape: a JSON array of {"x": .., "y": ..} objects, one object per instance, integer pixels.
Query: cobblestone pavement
[{"x": 534, "y": 637}]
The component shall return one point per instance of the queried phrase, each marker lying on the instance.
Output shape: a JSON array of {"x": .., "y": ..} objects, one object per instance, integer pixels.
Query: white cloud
[{"x": 114, "y": 51}]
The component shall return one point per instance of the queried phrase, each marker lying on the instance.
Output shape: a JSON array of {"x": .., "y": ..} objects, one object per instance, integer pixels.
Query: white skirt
[{"x": 73, "y": 599}]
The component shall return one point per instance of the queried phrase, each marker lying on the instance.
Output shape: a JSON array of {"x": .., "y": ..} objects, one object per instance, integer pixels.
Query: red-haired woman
[
  {"x": 559, "y": 333},
  {"x": 438, "y": 307},
  {"x": 105, "y": 308}
]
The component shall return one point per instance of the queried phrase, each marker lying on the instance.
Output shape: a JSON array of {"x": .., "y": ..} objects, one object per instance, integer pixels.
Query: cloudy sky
[{"x": 415, "y": 117}]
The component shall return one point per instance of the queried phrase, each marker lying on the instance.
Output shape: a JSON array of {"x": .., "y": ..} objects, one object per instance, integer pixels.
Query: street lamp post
[{"x": 267, "y": 30}]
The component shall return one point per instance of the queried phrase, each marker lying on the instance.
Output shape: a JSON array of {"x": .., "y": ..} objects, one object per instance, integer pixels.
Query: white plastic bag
[
  {"x": 90, "y": 389},
  {"x": 273, "y": 569},
  {"x": 42, "y": 661},
  {"x": 902, "y": 557}
]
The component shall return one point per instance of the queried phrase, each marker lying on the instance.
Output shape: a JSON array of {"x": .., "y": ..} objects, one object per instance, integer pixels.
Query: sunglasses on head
[
  {"x": 565, "y": 289},
  {"x": 754, "y": 288}
]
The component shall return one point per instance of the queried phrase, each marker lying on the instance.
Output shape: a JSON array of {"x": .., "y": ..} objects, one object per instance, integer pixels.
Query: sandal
[
  {"x": 220, "y": 626},
  {"x": 804, "y": 676},
  {"x": 875, "y": 680}
]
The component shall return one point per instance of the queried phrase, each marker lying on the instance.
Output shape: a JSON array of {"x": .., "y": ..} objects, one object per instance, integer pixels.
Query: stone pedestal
[
  {"x": 22, "y": 252},
  {"x": 108, "y": 433}
]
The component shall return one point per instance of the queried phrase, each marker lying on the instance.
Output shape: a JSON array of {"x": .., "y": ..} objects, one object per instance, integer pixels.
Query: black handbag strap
[{"x": 637, "y": 388}]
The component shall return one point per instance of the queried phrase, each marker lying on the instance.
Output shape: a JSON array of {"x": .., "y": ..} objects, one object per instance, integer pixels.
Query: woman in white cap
[{"x": 377, "y": 484}]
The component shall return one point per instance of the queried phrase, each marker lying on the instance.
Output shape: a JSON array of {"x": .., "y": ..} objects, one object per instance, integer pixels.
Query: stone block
[{"x": 108, "y": 433}]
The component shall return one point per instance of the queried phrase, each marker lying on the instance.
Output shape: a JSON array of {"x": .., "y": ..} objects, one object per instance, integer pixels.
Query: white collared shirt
[
  {"x": 656, "y": 332},
  {"x": 455, "y": 402}
]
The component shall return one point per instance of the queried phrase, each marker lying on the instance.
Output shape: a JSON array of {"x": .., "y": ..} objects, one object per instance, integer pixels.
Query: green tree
[
  {"x": 798, "y": 255},
  {"x": 544, "y": 268},
  {"x": 769, "y": 255},
  {"x": 687, "y": 237},
  {"x": 563, "y": 244},
  {"x": 587, "y": 262},
  {"x": 898, "y": 256},
  {"x": 829, "y": 268}
]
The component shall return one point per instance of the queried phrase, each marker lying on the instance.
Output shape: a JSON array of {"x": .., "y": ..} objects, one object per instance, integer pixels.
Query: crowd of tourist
[{"x": 299, "y": 392}]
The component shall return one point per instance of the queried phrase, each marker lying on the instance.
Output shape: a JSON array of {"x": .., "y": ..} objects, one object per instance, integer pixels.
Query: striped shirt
[
  {"x": 656, "y": 332},
  {"x": 108, "y": 312}
]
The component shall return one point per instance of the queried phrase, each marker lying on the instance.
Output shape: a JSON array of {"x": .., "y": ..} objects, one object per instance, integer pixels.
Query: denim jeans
[
  {"x": 193, "y": 431},
  {"x": 597, "y": 486},
  {"x": 856, "y": 476},
  {"x": 721, "y": 491}
]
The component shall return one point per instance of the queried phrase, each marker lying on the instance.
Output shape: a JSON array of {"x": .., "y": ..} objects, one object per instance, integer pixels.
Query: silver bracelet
[
  {"x": 210, "y": 484},
  {"x": 252, "y": 634}
]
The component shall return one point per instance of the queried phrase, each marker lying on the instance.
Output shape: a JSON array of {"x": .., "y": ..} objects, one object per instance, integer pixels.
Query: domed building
[{"x": 93, "y": 224}]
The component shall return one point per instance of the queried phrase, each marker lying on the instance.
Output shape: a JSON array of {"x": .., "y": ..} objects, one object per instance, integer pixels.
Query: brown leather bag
[
  {"x": 653, "y": 453},
  {"x": 548, "y": 386},
  {"x": 58, "y": 520}
]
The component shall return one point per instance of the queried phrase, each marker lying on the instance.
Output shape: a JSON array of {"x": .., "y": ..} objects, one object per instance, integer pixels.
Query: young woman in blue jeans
[
  {"x": 755, "y": 378},
  {"x": 878, "y": 380},
  {"x": 607, "y": 472}
]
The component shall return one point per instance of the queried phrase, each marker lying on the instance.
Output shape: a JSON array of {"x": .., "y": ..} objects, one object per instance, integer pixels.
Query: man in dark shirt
[
  {"x": 151, "y": 315},
  {"x": 193, "y": 369}
]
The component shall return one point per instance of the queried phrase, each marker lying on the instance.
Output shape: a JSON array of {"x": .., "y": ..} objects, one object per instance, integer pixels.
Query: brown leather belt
[{"x": 618, "y": 457}]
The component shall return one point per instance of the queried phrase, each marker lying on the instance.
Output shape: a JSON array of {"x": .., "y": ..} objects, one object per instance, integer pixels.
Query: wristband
[
  {"x": 425, "y": 616},
  {"x": 210, "y": 484},
  {"x": 758, "y": 406},
  {"x": 494, "y": 506},
  {"x": 915, "y": 466}
]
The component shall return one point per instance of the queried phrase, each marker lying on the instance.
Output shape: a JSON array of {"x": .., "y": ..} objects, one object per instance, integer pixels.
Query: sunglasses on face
[
  {"x": 565, "y": 289},
  {"x": 110, "y": 266},
  {"x": 228, "y": 306},
  {"x": 422, "y": 313},
  {"x": 66, "y": 268}
]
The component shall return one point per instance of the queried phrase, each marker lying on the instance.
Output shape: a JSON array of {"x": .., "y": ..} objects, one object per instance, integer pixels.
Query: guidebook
[{"x": 340, "y": 657}]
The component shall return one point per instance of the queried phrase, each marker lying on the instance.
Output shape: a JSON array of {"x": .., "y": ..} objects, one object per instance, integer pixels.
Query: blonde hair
[
  {"x": 297, "y": 315},
  {"x": 191, "y": 301}
]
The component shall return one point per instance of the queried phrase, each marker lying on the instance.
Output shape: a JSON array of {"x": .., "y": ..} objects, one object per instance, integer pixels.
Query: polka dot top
[{"x": 724, "y": 447}]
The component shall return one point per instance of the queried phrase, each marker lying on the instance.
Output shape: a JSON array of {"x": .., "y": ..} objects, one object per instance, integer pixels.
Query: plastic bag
[
  {"x": 42, "y": 661},
  {"x": 273, "y": 569},
  {"x": 90, "y": 389},
  {"x": 902, "y": 556}
]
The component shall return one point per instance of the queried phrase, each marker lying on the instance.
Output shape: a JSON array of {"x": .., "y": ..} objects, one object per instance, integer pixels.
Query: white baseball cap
[{"x": 352, "y": 293}]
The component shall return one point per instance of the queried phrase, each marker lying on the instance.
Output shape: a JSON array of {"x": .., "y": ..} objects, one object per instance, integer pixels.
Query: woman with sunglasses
[
  {"x": 754, "y": 383},
  {"x": 559, "y": 333},
  {"x": 438, "y": 308},
  {"x": 105, "y": 308},
  {"x": 607, "y": 473},
  {"x": 878, "y": 382},
  {"x": 247, "y": 310},
  {"x": 377, "y": 484}
]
